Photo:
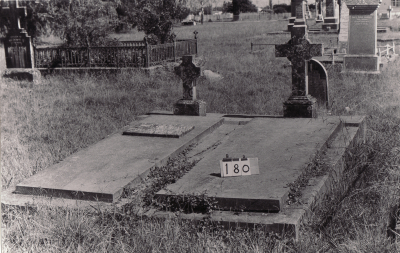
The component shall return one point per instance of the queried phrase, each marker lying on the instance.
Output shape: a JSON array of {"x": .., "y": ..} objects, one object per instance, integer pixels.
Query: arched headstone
[{"x": 318, "y": 82}]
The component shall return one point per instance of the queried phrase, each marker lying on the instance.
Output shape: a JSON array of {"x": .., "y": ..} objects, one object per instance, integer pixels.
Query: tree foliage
[
  {"x": 156, "y": 17},
  {"x": 281, "y": 8},
  {"x": 238, "y": 6},
  {"x": 86, "y": 23},
  {"x": 83, "y": 23}
]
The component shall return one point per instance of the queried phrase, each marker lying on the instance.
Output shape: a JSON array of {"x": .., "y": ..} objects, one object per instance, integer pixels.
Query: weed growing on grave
[
  {"x": 159, "y": 177},
  {"x": 316, "y": 168}
]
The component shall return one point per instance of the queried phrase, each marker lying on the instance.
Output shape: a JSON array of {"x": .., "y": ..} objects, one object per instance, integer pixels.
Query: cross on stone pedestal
[
  {"x": 188, "y": 72},
  {"x": 17, "y": 44},
  {"x": 299, "y": 51},
  {"x": 189, "y": 104},
  {"x": 14, "y": 12}
]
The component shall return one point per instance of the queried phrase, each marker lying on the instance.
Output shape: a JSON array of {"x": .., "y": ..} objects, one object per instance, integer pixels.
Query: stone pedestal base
[
  {"x": 291, "y": 23},
  {"x": 190, "y": 107},
  {"x": 319, "y": 19},
  {"x": 23, "y": 74},
  {"x": 300, "y": 107},
  {"x": 330, "y": 24},
  {"x": 357, "y": 63}
]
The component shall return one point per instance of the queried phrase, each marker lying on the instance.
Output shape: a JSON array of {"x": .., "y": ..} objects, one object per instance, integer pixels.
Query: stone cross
[
  {"x": 17, "y": 44},
  {"x": 189, "y": 104},
  {"x": 188, "y": 73},
  {"x": 14, "y": 12},
  {"x": 299, "y": 51}
]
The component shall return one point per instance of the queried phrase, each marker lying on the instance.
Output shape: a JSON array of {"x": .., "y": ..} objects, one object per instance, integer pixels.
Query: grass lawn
[{"x": 48, "y": 122}]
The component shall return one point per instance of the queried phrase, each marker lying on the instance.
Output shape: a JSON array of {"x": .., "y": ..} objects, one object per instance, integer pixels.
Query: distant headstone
[
  {"x": 385, "y": 16},
  {"x": 189, "y": 22},
  {"x": 318, "y": 82},
  {"x": 362, "y": 37},
  {"x": 344, "y": 29},
  {"x": 17, "y": 44},
  {"x": 299, "y": 50},
  {"x": 331, "y": 21},
  {"x": 189, "y": 104}
]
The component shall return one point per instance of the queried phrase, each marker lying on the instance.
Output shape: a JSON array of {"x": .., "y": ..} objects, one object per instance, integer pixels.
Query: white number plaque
[{"x": 234, "y": 167}]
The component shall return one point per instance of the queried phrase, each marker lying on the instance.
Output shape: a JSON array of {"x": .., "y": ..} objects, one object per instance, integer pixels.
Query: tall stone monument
[
  {"x": 362, "y": 42},
  {"x": 292, "y": 15},
  {"x": 331, "y": 20},
  {"x": 344, "y": 29},
  {"x": 17, "y": 44},
  {"x": 319, "y": 17},
  {"x": 299, "y": 51}
]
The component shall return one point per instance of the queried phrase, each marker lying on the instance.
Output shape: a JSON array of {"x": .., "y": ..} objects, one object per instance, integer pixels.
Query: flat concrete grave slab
[
  {"x": 149, "y": 129},
  {"x": 283, "y": 147},
  {"x": 103, "y": 170}
]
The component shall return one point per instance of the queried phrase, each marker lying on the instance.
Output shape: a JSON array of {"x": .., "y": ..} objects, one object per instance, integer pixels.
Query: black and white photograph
[{"x": 200, "y": 126}]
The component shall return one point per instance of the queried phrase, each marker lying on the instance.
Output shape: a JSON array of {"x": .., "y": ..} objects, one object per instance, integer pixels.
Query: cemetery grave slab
[
  {"x": 101, "y": 171},
  {"x": 283, "y": 147},
  {"x": 345, "y": 133}
]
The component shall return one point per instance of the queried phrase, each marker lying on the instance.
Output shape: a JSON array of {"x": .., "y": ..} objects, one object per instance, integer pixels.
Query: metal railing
[
  {"x": 129, "y": 54},
  {"x": 387, "y": 48}
]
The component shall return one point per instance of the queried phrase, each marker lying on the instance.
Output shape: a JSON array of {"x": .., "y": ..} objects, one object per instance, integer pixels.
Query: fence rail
[
  {"x": 386, "y": 49},
  {"x": 130, "y": 54}
]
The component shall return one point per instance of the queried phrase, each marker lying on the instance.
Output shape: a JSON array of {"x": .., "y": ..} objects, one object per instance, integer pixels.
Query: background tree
[
  {"x": 238, "y": 6},
  {"x": 156, "y": 17},
  {"x": 281, "y": 8},
  {"x": 83, "y": 23}
]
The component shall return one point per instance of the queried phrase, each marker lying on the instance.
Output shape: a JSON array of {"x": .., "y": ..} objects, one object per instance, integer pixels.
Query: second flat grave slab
[{"x": 283, "y": 147}]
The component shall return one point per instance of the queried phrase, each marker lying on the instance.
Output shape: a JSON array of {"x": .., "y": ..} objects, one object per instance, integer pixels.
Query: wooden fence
[{"x": 130, "y": 54}]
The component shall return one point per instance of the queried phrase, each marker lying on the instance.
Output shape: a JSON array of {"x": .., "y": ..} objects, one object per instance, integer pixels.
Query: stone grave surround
[
  {"x": 331, "y": 20},
  {"x": 17, "y": 44},
  {"x": 362, "y": 38}
]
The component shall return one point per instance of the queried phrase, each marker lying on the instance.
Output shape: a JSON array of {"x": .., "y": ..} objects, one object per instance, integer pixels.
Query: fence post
[
  {"x": 195, "y": 37},
  {"x": 333, "y": 58},
  {"x": 88, "y": 53},
  {"x": 394, "y": 52},
  {"x": 174, "y": 41},
  {"x": 147, "y": 53},
  {"x": 252, "y": 47}
]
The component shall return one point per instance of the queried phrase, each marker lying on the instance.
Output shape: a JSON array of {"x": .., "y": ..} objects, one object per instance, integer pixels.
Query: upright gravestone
[
  {"x": 331, "y": 21},
  {"x": 362, "y": 37},
  {"x": 319, "y": 17},
  {"x": 17, "y": 44},
  {"x": 189, "y": 104},
  {"x": 318, "y": 82},
  {"x": 344, "y": 29},
  {"x": 299, "y": 51}
]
